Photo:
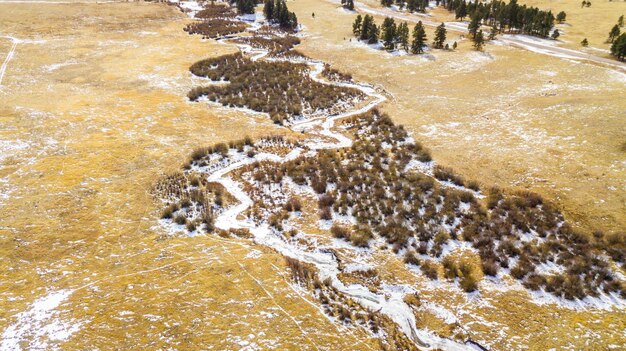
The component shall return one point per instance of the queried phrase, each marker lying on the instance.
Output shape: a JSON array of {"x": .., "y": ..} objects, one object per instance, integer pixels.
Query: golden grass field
[
  {"x": 100, "y": 128},
  {"x": 93, "y": 112},
  {"x": 593, "y": 23}
]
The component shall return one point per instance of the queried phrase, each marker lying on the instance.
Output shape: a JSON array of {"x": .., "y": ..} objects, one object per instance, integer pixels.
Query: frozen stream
[{"x": 391, "y": 301}]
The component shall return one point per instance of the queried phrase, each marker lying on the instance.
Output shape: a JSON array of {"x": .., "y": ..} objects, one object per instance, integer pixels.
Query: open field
[
  {"x": 593, "y": 23},
  {"x": 92, "y": 113}
]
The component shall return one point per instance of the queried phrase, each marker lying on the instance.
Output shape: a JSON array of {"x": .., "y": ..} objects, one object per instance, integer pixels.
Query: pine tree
[
  {"x": 479, "y": 40},
  {"x": 356, "y": 26},
  {"x": 419, "y": 39},
  {"x": 473, "y": 26},
  {"x": 454, "y": 45},
  {"x": 584, "y": 43},
  {"x": 618, "y": 49},
  {"x": 366, "y": 27},
  {"x": 493, "y": 33},
  {"x": 555, "y": 35},
  {"x": 614, "y": 33},
  {"x": 245, "y": 6},
  {"x": 277, "y": 9},
  {"x": 388, "y": 30},
  {"x": 348, "y": 4},
  {"x": 374, "y": 33},
  {"x": 561, "y": 17},
  {"x": 268, "y": 9},
  {"x": 440, "y": 36},
  {"x": 402, "y": 35},
  {"x": 620, "y": 21},
  {"x": 461, "y": 11}
]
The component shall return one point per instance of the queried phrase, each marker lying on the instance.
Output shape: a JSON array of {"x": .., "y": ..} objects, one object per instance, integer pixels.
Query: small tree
[
  {"x": 402, "y": 35},
  {"x": 356, "y": 26},
  {"x": 614, "y": 33},
  {"x": 618, "y": 49},
  {"x": 348, "y": 4},
  {"x": 245, "y": 6},
  {"x": 473, "y": 26},
  {"x": 493, "y": 32},
  {"x": 366, "y": 27},
  {"x": 454, "y": 45},
  {"x": 560, "y": 17},
  {"x": 584, "y": 43},
  {"x": 461, "y": 11},
  {"x": 374, "y": 33},
  {"x": 588, "y": 4},
  {"x": 419, "y": 39},
  {"x": 440, "y": 36},
  {"x": 620, "y": 21},
  {"x": 268, "y": 9},
  {"x": 388, "y": 30},
  {"x": 555, "y": 35},
  {"x": 479, "y": 40}
]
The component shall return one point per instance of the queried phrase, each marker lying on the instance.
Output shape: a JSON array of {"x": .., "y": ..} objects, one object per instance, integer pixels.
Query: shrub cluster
[
  {"x": 215, "y": 21},
  {"x": 215, "y": 11},
  {"x": 276, "y": 45},
  {"x": 334, "y": 75},
  {"x": 373, "y": 182},
  {"x": 281, "y": 89},
  {"x": 215, "y": 28}
]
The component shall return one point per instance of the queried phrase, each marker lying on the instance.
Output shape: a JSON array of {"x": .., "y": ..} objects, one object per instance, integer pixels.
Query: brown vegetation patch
[
  {"x": 215, "y": 28},
  {"x": 281, "y": 89}
]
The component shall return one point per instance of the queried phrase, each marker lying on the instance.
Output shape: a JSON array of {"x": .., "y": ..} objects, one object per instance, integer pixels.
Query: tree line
[
  {"x": 504, "y": 16},
  {"x": 398, "y": 36},
  {"x": 411, "y": 5},
  {"x": 498, "y": 14},
  {"x": 276, "y": 11}
]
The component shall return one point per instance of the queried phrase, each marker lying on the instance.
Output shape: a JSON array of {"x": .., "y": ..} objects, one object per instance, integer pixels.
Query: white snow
[{"x": 39, "y": 325}]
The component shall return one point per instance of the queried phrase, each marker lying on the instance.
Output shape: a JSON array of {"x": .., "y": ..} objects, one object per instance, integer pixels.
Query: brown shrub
[{"x": 429, "y": 268}]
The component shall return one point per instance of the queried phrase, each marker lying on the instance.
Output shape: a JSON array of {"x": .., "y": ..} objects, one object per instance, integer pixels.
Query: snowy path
[
  {"x": 3, "y": 68},
  {"x": 537, "y": 45}
]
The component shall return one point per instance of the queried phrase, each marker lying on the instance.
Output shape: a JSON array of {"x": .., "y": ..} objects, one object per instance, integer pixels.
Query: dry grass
[
  {"x": 593, "y": 23},
  {"x": 100, "y": 129}
]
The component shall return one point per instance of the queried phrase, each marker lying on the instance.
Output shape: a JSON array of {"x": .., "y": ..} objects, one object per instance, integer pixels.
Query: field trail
[
  {"x": 541, "y": 46},
  {"x": 3, "y": 68}
]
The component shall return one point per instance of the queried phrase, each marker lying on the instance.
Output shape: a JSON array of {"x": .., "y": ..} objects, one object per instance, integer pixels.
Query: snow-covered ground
[{"x": 39, "y": 325}]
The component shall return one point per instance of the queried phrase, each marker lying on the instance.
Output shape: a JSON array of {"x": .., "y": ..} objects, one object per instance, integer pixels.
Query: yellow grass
[
  {"x": 100, "y": 129},
  {"x": 593, "y": 23},
  {"x": 104, "y": 125}
]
